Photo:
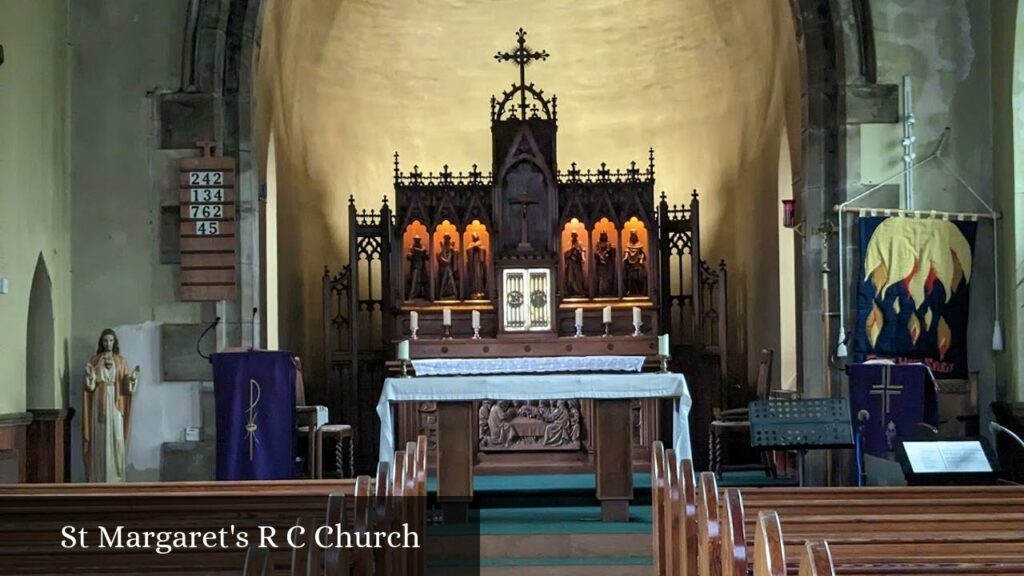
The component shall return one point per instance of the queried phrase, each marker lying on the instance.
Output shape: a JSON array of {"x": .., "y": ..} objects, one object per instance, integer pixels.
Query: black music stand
[{"x": 801, "y": 424}]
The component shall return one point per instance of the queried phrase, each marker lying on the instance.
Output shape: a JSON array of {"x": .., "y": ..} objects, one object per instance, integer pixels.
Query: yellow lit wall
[{"x": 707, "y": 84}]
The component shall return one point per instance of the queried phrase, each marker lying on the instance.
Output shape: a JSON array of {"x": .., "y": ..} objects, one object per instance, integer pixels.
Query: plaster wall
[
  {"x": 34, "y": 201},
  {"x": 945, "y": 49},
  {"x": 124, "y": 53},
  {"x": 706, "y": 84},
  {"x": 1008, "y": 173}
]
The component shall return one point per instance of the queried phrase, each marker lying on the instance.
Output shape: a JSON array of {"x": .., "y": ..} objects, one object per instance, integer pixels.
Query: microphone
[
  {"x": 995, "y": 428},
  {"x": 252, "y": 326},
  {"x": 863, "y": 416},
  {"x": 199, "y": 340}
]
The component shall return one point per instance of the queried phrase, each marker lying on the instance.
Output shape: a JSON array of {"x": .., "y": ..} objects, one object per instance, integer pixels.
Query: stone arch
[
  {"x": 40, "y": 349},
  {"x": 222, "y": 48}
]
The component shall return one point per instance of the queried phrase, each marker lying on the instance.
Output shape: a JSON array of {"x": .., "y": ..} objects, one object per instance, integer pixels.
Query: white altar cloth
[
  {"x": 468, "y": 366},
  {"x": 527, "y": 387}
]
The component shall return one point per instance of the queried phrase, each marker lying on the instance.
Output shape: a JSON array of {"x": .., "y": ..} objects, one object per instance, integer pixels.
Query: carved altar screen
[{"x": 527, "y": 305}]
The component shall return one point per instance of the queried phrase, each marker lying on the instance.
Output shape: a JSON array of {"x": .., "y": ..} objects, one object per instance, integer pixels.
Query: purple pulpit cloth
[
  {"x": 896, "y": 398},
  {"x": 254, "y": 394}
]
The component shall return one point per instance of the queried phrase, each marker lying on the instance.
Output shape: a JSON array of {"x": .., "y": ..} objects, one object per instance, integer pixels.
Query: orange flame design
[
  {"x": 873, "y": 324},
  {"x": 945, "y": 337},
  {"x": 914, "y": 327}
]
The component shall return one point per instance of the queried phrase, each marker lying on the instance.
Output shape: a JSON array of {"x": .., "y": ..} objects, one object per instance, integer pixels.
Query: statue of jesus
[{"x": 107, "y": 407}]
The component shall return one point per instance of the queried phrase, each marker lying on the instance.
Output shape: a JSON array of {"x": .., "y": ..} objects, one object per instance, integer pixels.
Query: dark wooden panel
[
  {"x": 614, "y": 458},
  {"x": 208, "y": 293},
  {"x": 208, "y": 260},
  {"x": 208, "y": 244},
  {"x": 178, "y": 357},
  {"x": 207, "y": 276}
]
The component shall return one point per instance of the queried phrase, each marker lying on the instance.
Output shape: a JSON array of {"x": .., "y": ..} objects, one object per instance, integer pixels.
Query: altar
[
  {"x": 524, "y": 260},
  {"x": 612, "y": 394}
]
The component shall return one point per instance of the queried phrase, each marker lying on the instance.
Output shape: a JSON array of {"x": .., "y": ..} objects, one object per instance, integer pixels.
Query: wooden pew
[
  {"x": 926, "y": 522},
  {"x": 31, "y": 518},
  {"x": 886, "y": 539}
]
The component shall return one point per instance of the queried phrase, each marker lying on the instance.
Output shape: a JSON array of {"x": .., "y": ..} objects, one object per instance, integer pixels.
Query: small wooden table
[{"x": 611, "y": 394}]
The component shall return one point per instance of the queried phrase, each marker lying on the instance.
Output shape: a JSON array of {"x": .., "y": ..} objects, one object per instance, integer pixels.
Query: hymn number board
[{"x": 208, "y": 222}]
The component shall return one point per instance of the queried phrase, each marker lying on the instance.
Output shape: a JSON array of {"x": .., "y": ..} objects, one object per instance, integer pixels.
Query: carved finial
[
  {"x": 351, "y": 200},
  {"x": 521, "y": 57},
  {"x": 384, "y": 201},
  {"x": 664, "y": 197},
  {"x": 694, "y": 195},
  {"x": 650, "y": 167},
  {"x": 327, "y": 273}
]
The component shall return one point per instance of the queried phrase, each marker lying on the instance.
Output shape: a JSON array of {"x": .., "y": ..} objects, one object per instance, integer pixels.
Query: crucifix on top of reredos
[{"x": 107, "y": 407}]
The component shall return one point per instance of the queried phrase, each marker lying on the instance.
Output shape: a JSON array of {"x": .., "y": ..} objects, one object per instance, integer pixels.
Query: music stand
[{"x": 800, "y": 424}]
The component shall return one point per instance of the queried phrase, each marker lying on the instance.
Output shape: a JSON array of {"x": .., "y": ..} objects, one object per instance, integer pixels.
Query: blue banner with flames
[
  {"x": 254, "y": 393},
  {"x": 914, "y": 296}
]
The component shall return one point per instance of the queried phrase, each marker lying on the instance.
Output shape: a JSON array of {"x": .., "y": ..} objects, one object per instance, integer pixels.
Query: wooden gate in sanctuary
[{"x": 502, "y": 264}]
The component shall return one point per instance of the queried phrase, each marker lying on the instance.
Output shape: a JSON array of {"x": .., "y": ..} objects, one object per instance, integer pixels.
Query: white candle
[
  {"x": 403, "y": 350},
  {"x": 476, "y": 319},
  {"x": 579, "y": 316},
  {"x": 414, "y": 321},
  {"x": 606, "y": 315},
  {"x": 638, "y": 319},
  {"x": 446, "y": 317},
  {"x": 663, "y": 345}
]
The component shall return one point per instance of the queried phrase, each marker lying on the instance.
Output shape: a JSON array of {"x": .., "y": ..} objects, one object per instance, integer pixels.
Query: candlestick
[
  {"x": 606, "y": 315},
  {"x": 405, "y": 369},
  {"x": 638, "y": 321},
  {"x": 403, "y": 350},
  {"x": 446, "y": 317},
  {"x": 447, "y": 333},
  {"x": 607, "y": 330},
  {"x": 414, "y": 324},
  {"x": 663, "y": 345},
  {"x": 664, "y": 363},
  {"x": 579, "y": 323}
]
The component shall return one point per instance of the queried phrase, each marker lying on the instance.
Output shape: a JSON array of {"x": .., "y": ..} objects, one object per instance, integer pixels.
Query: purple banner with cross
[{"x": 896, "y": 398}]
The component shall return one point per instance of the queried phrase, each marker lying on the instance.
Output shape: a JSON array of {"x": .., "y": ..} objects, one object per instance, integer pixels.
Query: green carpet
[
  {"x": 560, "y": 520},
  {"x": 549, "y": 483}
]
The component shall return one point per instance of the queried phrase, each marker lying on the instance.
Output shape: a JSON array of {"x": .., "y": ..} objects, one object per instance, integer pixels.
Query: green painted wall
[{"x": 34, "y": 200}]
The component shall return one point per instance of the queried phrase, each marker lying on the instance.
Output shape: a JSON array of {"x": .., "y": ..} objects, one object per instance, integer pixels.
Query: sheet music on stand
[
  {"x": 953, "y": 461},
  {"x": 801, "y": 424}
]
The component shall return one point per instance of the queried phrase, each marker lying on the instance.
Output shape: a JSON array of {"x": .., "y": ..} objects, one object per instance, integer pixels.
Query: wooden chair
[
  {"x": 341, "y": 434},
  {"x": 735, "y": 422}
]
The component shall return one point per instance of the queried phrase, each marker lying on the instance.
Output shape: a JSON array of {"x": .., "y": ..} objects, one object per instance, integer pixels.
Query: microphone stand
[
  {"x": 862, "y": 420},
  {"x": 996, "y": 428}
]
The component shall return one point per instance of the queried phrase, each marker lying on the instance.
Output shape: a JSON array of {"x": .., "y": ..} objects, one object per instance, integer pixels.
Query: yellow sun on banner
[{"x": 917, "y": 253}]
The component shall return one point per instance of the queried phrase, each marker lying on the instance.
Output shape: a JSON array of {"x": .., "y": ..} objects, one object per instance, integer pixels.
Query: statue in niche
[
  {"x": 476, "y": 267},
  {"x": 575, "y": 256},
  {"x": 107, "y": 407},
  {"x": 447, "y": 275},
  {"x": 418, "y": 259},
  {"x": 635, "y": 266},
  {"x": 604, "y": 259}
]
